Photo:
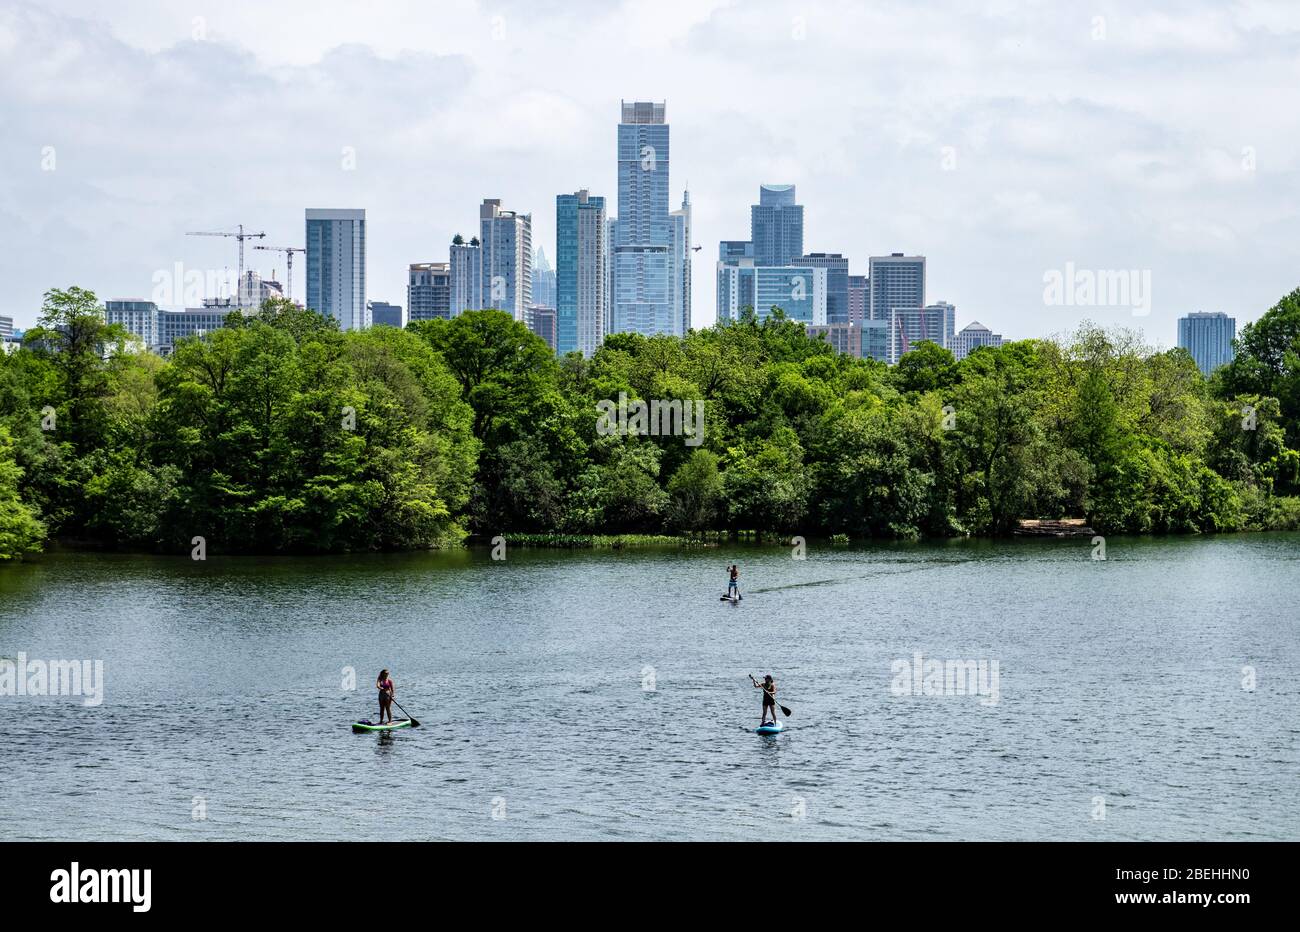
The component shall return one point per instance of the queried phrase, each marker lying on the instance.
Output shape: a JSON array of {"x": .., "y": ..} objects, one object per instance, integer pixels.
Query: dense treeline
[{"x": 281, "y": 434}]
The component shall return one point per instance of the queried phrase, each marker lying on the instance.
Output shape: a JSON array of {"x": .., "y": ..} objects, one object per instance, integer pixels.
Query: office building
[
  {"x": 428, "y": 291},
  {"x": 139, "y": 318},
  {"x": 383, "y": 314},
  {"x": 680, "y": 255},
  {"x": 799, "y": 291},
  {"x": 859, "y": 299},
  {"x": 972, "y": 336},
  {"x": 466, "y": 270},
  {"x": 895, "y": 281},
  {"x": 581, "y": 254},
  {"x": 336, "y": 266},
  {"x": 868, "y": 339},
  {"x": 506, "y": 241},
  {"x": 646, "y": 268},
  {"x": 910, "y": 325},
  {"x": 543, "y": 280},
  {"x": 1208, "y": 336},
  {"x": 776, "y": 226},
  {"x": 543, "y": 321},
  {"x": 837, "y": 283}
]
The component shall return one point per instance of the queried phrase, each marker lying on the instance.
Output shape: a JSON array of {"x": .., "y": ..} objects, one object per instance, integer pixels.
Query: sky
[{"x": 1012, "y": 143}]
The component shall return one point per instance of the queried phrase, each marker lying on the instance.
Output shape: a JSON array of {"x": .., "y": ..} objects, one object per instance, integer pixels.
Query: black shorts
[{"x": 769, "y": 701}]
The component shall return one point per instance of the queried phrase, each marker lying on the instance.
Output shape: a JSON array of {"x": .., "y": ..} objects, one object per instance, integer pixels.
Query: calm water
[{"x": 1120, "y": 679}]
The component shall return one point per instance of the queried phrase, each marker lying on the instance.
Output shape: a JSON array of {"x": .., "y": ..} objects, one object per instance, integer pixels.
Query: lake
[{"x": 605, "y": 694}]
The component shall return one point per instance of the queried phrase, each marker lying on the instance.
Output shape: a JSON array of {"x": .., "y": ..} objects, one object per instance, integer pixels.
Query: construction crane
[
  {"x": 241, "y": 236},
  {"x": 288, "y": 258}
]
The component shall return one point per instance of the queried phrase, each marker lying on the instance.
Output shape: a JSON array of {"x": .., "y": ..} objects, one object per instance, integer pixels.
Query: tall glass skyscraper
[
  {"x": 776, "y": 226},
  {"x": 1208, "y": 336},
  {"x": 543, "y": 280},
  {"x": 580, "y": 273},
  {"x": 336, "y": 266},
  {"x": 643, "y": 261}
]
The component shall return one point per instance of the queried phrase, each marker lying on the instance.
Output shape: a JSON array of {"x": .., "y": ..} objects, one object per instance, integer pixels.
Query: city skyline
[{"x": 1141, "y": 184}]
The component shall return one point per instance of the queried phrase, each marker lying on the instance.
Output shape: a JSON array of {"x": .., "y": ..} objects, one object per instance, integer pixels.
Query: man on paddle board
[
  {"x": 769, "y": 696},
  {"x": 733, "y": 584},
  {"x": 384, "y": 684}
]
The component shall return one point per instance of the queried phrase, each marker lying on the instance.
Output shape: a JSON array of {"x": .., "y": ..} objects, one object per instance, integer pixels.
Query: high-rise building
[
  {"x": 383, "y": 314},
  {"x": 837, "y": 283},
  {"x": 776, "y": 226},
  {"x": 971, "y": 336},
  {"x": 581, "y": 254},
  {"x": 255, "y": 289},
  {"x": 6, "y": 327},
  {"x": 799, "y": 291},
  {"x": 680, "y": 255},
  {"x": 139, "y": 318},
  {"x": 868, "y": 339},
  {"x": 859, "y": 299},
  {"x": 910, "y": 325},
  {"x": 466, "y": 271},
  {"x": 506, "y": 238},
  {"x": 1208, "y": 336},
  {"x": 644, "y": 269},
  {"x": 543, "y": 280},
  {"x": 896, "y": 280},
  {"x": 541, "y": 320},
  {"x": 428, "y": 291},
  {"x": 735, "y": 288},
  {"x": 336, "y": 266}
]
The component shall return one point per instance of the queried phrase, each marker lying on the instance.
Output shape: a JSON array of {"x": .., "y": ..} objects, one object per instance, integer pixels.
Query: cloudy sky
[{"x": 1003, "y": 140}]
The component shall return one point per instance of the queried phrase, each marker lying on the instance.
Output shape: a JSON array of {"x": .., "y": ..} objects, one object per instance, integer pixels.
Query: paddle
[
  {"x": 784, "y": 711},
  {"x": 414, "y": 723}
]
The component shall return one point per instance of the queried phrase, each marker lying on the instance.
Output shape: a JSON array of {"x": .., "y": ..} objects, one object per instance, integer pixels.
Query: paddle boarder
[
  {"x": 384, "y": 684},
  {"x": 769, "y": 696},
  {"x": 733, "y": 584}
]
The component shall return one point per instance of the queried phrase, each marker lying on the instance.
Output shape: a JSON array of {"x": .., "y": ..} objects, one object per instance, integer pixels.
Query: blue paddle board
[{"x": 772, "y": 728}]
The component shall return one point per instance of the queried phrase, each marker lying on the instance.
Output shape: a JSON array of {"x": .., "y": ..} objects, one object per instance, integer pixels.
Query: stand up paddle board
[
  {"x": 727, "y": 598},
  {"x": 771, "y": 728},
  {"x": 368, "y": 725}
]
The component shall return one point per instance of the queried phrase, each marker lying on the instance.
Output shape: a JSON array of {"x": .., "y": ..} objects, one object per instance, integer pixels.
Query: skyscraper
[
  {"x": 1208, "y": 336},
  {"x": 466, "y": 267},
  {"x": 580, "y": 257},
  {"x": 680, "y": 254},
  {"x": 859, "y": 299},
  {"x": 642, "y": 249},
  {"x": 506, "y": 238},
  {"x": 428, "y": 290},
  {"x": 336, "y": 266},
  {"x": 837, "y": 283},
  {"x": 896, "y": 280},
  {"x": 543, "y": 280},
  {"x": 776, "y": 226}
]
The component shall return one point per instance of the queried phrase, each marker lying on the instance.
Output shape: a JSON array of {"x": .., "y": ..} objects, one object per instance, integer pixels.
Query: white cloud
[{"x": 1124, "y": 152}]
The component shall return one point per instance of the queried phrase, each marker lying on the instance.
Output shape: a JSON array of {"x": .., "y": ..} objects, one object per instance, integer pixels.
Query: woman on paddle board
[
  {"x": 733, "y": 584},
  {"x": 386, "y": 689},
  {"x": 769, "y": 696}
]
